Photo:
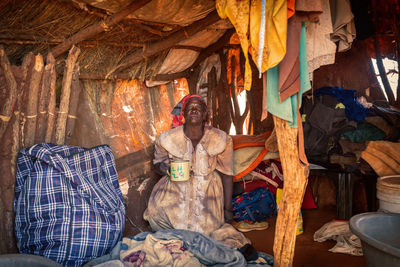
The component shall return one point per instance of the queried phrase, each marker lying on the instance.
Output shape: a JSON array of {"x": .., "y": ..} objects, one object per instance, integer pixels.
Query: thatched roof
[
  {"x": 38, "y": 26},
  {"x": 122, "y": 50}
]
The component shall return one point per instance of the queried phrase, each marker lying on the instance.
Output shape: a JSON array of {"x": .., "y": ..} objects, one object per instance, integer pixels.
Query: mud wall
[{"x": 128, "y": 116}]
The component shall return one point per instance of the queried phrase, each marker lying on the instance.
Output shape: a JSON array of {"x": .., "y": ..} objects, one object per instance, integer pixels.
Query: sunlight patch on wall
[
  {"x": 392, "y": 69},
  {"x": 242, "y": 105}
]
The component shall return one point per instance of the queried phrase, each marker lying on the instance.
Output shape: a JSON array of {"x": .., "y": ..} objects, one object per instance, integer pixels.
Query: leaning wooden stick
[
  {"x": 295, "y": 183},
  {"x": 33, "y": 97},
  {"x": 7, "y": 109},
  {"x": 26, "y": 69},
  {"x": 51, "y": 64},
  {"x": 73, "y": 105},
  {"x": 98, "y": 27},
  {"x": 65, "y": 95},
  {"x": 49, "y": 69}
]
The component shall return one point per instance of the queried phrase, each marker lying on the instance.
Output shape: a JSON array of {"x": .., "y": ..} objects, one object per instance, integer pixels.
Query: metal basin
[{"x": 380, "y": 237}]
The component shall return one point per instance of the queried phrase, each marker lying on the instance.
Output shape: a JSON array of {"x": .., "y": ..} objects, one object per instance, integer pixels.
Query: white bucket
[{"x": 388, "y": 193}]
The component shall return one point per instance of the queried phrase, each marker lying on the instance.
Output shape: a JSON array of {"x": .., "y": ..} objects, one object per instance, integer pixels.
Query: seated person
[{"x": 204, "y": 202}]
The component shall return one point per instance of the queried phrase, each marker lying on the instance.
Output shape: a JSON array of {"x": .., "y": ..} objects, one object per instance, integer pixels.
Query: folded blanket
[
  {"x": 249, "y": 151},
  {"x": 383, "y": 157}
]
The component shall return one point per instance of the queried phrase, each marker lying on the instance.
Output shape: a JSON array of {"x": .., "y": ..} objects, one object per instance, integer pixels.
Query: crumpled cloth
[
  {"x": 206, "y": 250},
  {"x": 156, "y": 252},
  {"x": 344, "y": 29},
  {"x": 347, "y": 242}
]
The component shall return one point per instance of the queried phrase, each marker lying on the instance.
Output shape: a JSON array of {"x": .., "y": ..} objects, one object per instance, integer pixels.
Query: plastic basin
[
  {"x": 26, "y": 260},
  {"x": 380, "y": 237}
]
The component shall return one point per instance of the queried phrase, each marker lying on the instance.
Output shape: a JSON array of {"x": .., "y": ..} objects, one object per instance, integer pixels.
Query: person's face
[{"x": 194, "y": 112}]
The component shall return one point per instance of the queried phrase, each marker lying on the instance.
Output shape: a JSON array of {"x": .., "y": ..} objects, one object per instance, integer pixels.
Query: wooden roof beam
[
  {"x": 169, "y": 41},
  {"x": 205, "y": 53},
  {"x": 97, "y": 27}
]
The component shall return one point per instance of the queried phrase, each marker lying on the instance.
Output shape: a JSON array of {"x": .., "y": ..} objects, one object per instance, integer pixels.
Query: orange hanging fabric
[{"x": 291, "y": 8}]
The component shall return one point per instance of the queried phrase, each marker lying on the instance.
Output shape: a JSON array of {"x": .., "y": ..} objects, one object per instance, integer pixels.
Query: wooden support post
[
  {"x": 73, "y": 105},
  {"x": 65, "y": 95},
  {"x": 51, "y": 97},
  {"x": 11, "y": 143},
  {"x": 26, "y": 69},
  {"x": 169, "y": 41},
  {"x": 97, "y": 27},
  {"x": 293, "y": 190},
  {"x": 48, "y": 75},
  {"x": 223, "y": 98},
  {"x": 205, "y": 53},
  {"x": 193, "y": 79},
  {"x": 212, "y": 84},
  {"x": 33, "y": 97},
  {"x": 7, "y": 108}
]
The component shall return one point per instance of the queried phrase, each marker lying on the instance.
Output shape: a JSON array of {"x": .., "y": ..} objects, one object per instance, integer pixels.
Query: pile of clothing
[
  {"x": 347, "y": 128},
  {"x": 175, "y": 247},
  {"x": 255, "y": 196},
  {"x": 257, "y": 176}
]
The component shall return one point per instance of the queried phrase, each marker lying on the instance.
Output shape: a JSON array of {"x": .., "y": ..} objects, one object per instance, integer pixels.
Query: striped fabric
[{"x": 68, "y": 203}]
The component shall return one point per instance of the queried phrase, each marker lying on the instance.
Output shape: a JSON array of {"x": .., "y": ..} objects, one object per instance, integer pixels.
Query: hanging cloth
[
  {"x": 246, "y": 18},
  {"x": 289, "y": 68},
  {"x": 276, "y": 13},
  {"x": 344, "y": 29},
  {"x": 320, "y": 48},
  {"x": 288, "y": 109}
]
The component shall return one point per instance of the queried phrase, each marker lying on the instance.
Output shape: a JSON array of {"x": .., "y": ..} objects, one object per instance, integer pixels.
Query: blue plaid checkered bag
[{"x": 68, "y": 203}]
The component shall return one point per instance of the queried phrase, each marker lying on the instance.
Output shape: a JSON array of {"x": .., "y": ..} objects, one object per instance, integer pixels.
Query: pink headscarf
[{"x": 178, "y": 109}]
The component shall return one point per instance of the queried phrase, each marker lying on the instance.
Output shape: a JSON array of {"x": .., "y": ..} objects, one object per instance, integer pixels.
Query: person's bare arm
[
  {"x": 162, "y": 168},
  {"x": 227, "y": 183},
  {"x": 161, "y": 160}
]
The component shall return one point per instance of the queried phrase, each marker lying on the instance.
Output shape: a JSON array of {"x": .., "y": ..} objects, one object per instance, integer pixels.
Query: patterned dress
[{"x": 196, "y": 204}]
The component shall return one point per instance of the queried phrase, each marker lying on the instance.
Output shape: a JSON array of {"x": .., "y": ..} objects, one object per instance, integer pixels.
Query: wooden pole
[
  {"x": 7, "y": 188},
  {"x": 205, "y": 53},
  {"x": 98, "y": 27},
  {"x": 51, "y": 65},
  {"x": 7, "y": 108},
  {"x": 26, "y": 68},
  {"x": 223, "y": 97},
  {"x": 212, "y": 84},
  {"x": 73, "y": 105},
  {"x": 293, "y": 190},
  {"x": 44, "y": 99},
  {"x": 32, "y": 105},
  {"x": 65, "y": 95},
  {"x": 11, "y": 143},
  {"x": 169, "y": 41}
]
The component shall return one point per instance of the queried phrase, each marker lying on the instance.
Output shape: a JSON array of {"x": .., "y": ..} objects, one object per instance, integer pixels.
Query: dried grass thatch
[{"x": 37, "y": 26}]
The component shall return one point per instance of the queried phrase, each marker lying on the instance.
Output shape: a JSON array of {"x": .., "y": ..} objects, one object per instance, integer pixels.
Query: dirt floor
[{"x": 308, "y": 253}]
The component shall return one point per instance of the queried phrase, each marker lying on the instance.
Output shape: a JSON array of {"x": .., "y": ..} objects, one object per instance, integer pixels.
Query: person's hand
[
  {"x": 162, "y": 168},
  {"x": 228, "y": 216}
]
